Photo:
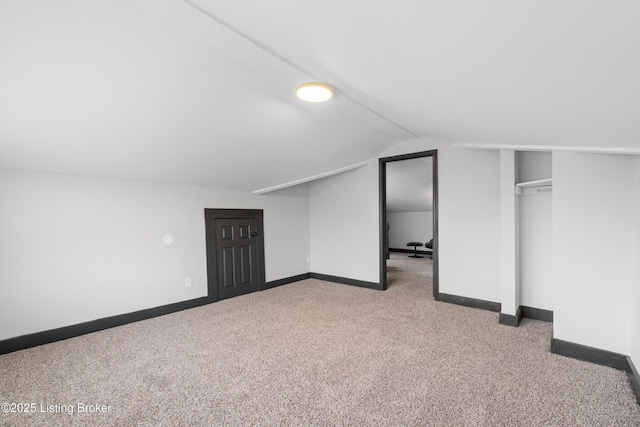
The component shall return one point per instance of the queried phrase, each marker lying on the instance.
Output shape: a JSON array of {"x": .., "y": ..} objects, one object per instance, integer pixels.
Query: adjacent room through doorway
[{"x": 408, "y": 212}]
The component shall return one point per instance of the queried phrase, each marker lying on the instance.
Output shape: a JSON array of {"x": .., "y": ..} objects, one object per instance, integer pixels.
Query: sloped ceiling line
[
  {"x": 157, "y": 90},
  {"x": 261, "y": 63}
]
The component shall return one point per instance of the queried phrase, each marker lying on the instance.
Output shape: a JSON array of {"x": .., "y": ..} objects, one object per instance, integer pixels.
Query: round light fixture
[{"x": 314, "y": 92}]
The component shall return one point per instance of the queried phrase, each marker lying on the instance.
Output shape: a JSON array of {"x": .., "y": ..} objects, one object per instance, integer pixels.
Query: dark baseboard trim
[
  {"x": 600, "y": 357},
  {"x": 509, "y": 319},
  {"x": 346, "y": 281},
  {"x": 286, "y": 281},
  {"x": 470, "y": 302},
  {"x": 537, "y": 314},
  {"x": 589, "y": 354},
  {"x": 45, "y": 337},
  {"x": 634, "y": 378},
  {"x": 410, "y": 251}
]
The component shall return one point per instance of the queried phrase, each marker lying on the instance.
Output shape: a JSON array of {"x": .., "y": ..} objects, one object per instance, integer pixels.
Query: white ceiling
[{"x": 202, "y": 92}]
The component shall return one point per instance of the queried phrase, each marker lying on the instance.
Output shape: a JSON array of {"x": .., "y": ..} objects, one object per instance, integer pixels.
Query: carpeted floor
[{"x": 317, "y": 353}]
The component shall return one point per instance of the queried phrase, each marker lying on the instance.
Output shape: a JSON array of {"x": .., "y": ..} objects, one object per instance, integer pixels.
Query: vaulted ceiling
[{"x": 202, "y": 91}]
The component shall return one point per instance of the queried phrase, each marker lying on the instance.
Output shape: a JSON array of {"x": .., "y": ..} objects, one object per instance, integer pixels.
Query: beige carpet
[{"x": 317, "y": 353}]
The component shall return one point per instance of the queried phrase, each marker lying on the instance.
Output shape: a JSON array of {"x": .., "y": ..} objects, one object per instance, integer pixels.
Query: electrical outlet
[{"x": 187, "y": 282}]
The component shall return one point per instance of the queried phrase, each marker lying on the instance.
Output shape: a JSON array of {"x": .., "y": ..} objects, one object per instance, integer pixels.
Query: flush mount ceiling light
[{"x": 314, "y": 92}]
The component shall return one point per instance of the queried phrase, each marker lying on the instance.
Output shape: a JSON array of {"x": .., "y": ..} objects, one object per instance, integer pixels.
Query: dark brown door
[
  {"x": 235, "y": 252},
  {"x": 236, "y": 257}
]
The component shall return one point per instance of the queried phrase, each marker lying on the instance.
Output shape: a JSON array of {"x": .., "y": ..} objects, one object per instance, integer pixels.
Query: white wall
[
  {"x": 509, "y": 235},
  {"x": 345, "y": 220},
  {"x": 593, "y": 223},
  {"x": 75, "y": 249},
  {"x": 405, "y": 227},
  {"x": 536, "y": 286},
  {"x": 344, "y": 224},
  {"x": 594, "y": 274},
  {"x": 634, "y": 300},
  {"x": 469, "y": 220},
  {"x": 534, "y": 165}
]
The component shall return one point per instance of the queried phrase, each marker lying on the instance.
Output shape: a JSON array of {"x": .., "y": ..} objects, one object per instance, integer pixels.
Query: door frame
[
  {"x": 383, "y": 215},
  {"x": 210, "y": 216}
]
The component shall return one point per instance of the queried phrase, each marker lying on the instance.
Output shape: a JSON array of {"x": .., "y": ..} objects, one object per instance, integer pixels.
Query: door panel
[
  {"x": 226, "y": 268},
  {"x": 226, "y": 232},
  {"x": 245, "y": 264}
]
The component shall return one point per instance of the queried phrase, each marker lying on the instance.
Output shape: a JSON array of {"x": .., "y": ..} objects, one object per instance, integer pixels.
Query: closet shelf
[{"x": 540, "y": 186}]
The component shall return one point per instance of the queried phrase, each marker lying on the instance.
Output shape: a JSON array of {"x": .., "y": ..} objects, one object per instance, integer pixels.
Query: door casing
[{"x": 383, "y": 215}]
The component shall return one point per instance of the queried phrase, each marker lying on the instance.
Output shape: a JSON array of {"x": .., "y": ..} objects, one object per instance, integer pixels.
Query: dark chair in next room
[
  {"x": 415, "y": 249},
  {"x": 429, "y": 245}
]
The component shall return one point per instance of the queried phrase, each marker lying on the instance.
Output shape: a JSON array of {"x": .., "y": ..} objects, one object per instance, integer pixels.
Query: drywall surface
[
  {"x": 468, "y": 216},
  {"x": 634, "y": 299},
  {"x": 534, "y": 165},
  {"x": 509, "y": 235},
  {"x": 75, "y": 249},
  {"x": 345, "y": 234},
  {"x": 593, "y": 223},
  {"x": 405, "y": 227},
  {"x": 536, "y": 286},
  {"x": 344, "y": 224}
]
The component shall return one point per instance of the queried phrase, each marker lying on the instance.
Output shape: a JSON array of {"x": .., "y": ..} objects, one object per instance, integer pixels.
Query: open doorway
[{"x": 415, "y": 169}]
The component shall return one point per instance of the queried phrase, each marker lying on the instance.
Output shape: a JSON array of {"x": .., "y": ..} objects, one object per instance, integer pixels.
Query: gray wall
[{"x": 405, "y": 227}]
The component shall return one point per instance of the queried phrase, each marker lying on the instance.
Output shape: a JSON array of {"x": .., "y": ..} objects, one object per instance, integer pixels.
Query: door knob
[{"x": 254, "y": 234}]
